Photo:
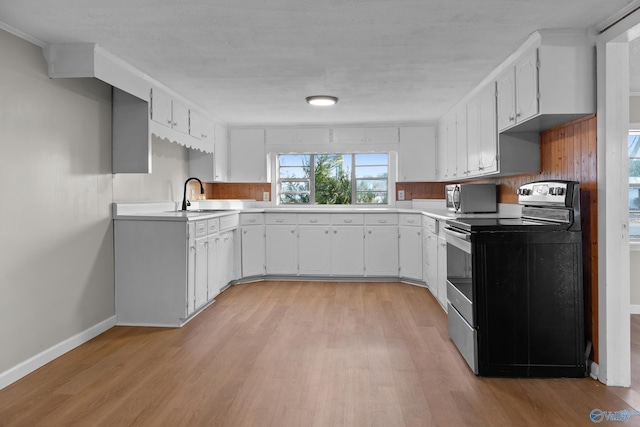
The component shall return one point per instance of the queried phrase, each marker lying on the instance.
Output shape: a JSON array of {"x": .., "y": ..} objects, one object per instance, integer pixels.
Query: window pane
[
  {"x": 372, "y": 185},
  {"x": 372, "y": 159},
  {"x": 286, "y": 198},
  {"x": 371, "y": 171},
  {"x": 294, "y": 186},
  {"x": 294, "y": 172},
  {"x": 294, "y": 159},
  {"x": 372, "y": 197},
  {"x": 332, "y": 179}
]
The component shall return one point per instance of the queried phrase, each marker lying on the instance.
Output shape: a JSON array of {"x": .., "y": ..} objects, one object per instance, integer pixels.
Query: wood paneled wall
[{"x": 237, "y": 190}]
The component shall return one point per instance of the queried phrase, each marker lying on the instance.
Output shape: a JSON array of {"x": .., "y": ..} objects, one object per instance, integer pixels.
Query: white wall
[{"x": 56, "y": 187}]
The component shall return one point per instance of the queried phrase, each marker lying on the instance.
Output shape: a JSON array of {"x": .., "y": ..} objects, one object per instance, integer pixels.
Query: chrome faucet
[{"x": 186, "y": 202}]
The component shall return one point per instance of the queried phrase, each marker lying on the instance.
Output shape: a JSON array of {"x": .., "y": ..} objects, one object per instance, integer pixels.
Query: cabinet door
[
  {"x": 201, "y": 285},
  {"x": 442, "y": 271},
  {"x": 227, "y": 258},
  {"x": 488, "y": 133},
  {"x": 282, "y": 249},
  {"x": 442, "y": 149},
  {"x": 214, "y": 267},
  {"x": 474, "y": 132},
  {"x": 417, "y": 154},
  {"x": 253, "y": 250},
  {"x": 221, "y": 157},
  {"x": 452, "y": 146},
  {"x": 506, "y": 99},
  {"x": 248, "y": 160},
  {"x": 383, "y": 135},
  {"x": 381, "y": 251},
  {"x": 410, "y": 252},
  {"x": 180, "y": 117},
  {"x": 314, "y": 250},
  {"x": 461, "y": 142},
  {"x": 347, "y": 251},
  {"x": 527, "y": 86},
  {"x": 431, "y": 261},
  {"x": 191, "y": 274},
  {"x": 161, "y": 108}
]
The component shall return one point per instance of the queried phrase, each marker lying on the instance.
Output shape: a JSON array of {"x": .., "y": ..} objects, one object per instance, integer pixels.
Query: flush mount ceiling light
[{"x": 322, "y": 100}]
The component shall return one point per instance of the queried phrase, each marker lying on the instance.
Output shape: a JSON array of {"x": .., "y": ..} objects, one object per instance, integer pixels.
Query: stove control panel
[{"x": 546, "y": 193}]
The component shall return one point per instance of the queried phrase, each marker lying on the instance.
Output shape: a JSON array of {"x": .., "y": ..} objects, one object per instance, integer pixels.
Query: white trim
[
  {"x": 25, "y": 368},
  {"x": 595, "y": 370},
  {"x": 634, "y": 308},
  {"x": 16, "y": 32},
  {"x": 634, "y": 245}
]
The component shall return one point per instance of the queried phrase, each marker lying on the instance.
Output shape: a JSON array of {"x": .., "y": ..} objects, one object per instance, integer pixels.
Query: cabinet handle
[
  {"x": 244, "y": 232},
  {"x": 279, "y": 219},
  {"x": 335, "y": 231},
  {"x": 313, "y": 220},
  {"x": 326, "y": 231},
  {"x": 293, "y": 231},
  {"x": 511, "y": 118},
  {"x": 252, "y": 220},
  {"x": 175, "y": 123},
  {"x": 169, "y": 121},
  {"x": 348, "y": 221},
  {"x": 382, "y": 221},
  {"x": 369, "y": 231}
]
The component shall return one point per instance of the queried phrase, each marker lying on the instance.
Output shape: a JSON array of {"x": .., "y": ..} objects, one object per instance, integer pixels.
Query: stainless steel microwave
[{"x": 471, "y": 198}]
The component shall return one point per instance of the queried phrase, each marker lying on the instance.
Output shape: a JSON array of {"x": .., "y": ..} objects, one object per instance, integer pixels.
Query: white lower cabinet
[
  {"x": 430, "y": 261},
  {"x": 314, "y": 250},
  {"x": 410, "y": 252},
  {"x": 166, "y": 271},
  {"x": 253, "y": 250},
  {"x": 380, "y": 251},
  {"x": 347, "y": 250},
  {"x": 442, "y": 271},
  {"x": 282, "y": 249}
]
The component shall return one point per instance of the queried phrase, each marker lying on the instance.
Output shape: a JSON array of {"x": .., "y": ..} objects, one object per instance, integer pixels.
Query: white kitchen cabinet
[
  {"x": 216, "y": 272},
  {"x": 314, "y": 250},
  {"x": 221, "y": 158},
  {"x": 447, "y": 148},
  {"x": 441, "y": 149},
  {"x": 417, "y": 154},
  {"x": 227, "y": 257},
  {"x": 430, "y": 253},
  {"x": 482, "y": 146},
  {"x": 347, "y": 250},
  {"x": 381, "y": 245},
  {"x": 211, "y": 166},
  {"x": 442, "y": 271},
  {"x": 461, "y": 168},
  {"x": 201, "y": 128},
  {"x": 201, "y": 271},
  {"x": 247, "y": 155},
  {"x": 298, "y": 136},
  {"x": 381, "y": 135},
  {"x": 281, "y": 244},
  {"x": 410, "y": 252},
  {"x": 253, "y": 244},
  {"x": 518, "y": 91},
  {"x": 169, "y": 112}
]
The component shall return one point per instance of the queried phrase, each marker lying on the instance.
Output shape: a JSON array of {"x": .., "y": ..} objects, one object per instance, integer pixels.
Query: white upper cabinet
[
  {"x": 461, "y": 142},
  {"x": 518, "y": 91},
  {"x": 293, "y": 136},
  {"x": 482, "y": 134},
  {"x": 381, "y": 135},
  {"x": 168, "y": 112},
  {"x": 247, "y": 155},
  {"x": 180, "y": 117},
  {"x": 348, "y": 136},
  {"x": 417, "y": 154}
]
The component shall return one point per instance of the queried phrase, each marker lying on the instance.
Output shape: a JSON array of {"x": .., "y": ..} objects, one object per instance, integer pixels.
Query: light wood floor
[{"x": 295, "y": 354}]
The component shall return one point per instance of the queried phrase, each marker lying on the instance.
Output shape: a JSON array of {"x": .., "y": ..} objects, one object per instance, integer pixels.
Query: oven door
[{"x": 461, "y": 316}]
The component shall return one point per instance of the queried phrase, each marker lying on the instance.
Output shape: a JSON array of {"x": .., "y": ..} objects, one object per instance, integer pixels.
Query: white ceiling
[{"x": 255, "y": 61}]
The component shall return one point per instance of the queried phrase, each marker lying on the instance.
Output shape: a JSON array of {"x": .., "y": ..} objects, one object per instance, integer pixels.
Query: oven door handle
[{"x": 464, "y": 236}]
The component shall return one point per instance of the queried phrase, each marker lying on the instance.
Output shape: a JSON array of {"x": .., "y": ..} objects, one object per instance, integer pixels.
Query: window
[
  {"x": 634, "y": 184},
  {"x": 333, "y": 179}
]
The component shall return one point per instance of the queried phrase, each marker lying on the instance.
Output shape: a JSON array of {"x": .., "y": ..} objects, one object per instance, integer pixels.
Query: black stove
[{"x": 515, "y": 286}]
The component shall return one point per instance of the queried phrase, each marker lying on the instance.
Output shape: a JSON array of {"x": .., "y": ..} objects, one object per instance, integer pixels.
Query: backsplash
[{"x": 420, "y": 190}]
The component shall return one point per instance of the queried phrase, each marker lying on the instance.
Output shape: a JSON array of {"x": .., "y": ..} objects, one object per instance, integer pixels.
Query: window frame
[{"x": 354, "y": 180}]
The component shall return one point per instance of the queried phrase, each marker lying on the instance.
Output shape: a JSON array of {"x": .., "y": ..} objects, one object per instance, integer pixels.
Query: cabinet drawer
[
  {"x": 381, "y": 219},
  {"x": 281, "y": 219},
  {"x": 412, "y": 220},
  {"x": 430, "y": 224},
  {"x": 347, "y": 219},
  {"x": 252, "y": 218},
  {"x": 201, "y": 228},
  {"x": 322, "y": 219},
  {"x": 229, "y": 221},
  {"x": 213, "y": 225}
]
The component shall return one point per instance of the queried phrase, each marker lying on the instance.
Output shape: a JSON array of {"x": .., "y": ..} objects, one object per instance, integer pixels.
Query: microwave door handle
[{"x": 456, "y": 200}]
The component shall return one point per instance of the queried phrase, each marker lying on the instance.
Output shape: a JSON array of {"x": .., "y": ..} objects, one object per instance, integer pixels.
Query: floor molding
[{"x": 22, "y": 369}]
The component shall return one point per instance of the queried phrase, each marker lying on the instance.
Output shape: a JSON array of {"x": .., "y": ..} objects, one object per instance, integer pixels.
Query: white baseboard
[
  {"x": 634, "y": 308},
  {"x": 595, "y": 370},
  {"x": 23, "y": 369}
]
